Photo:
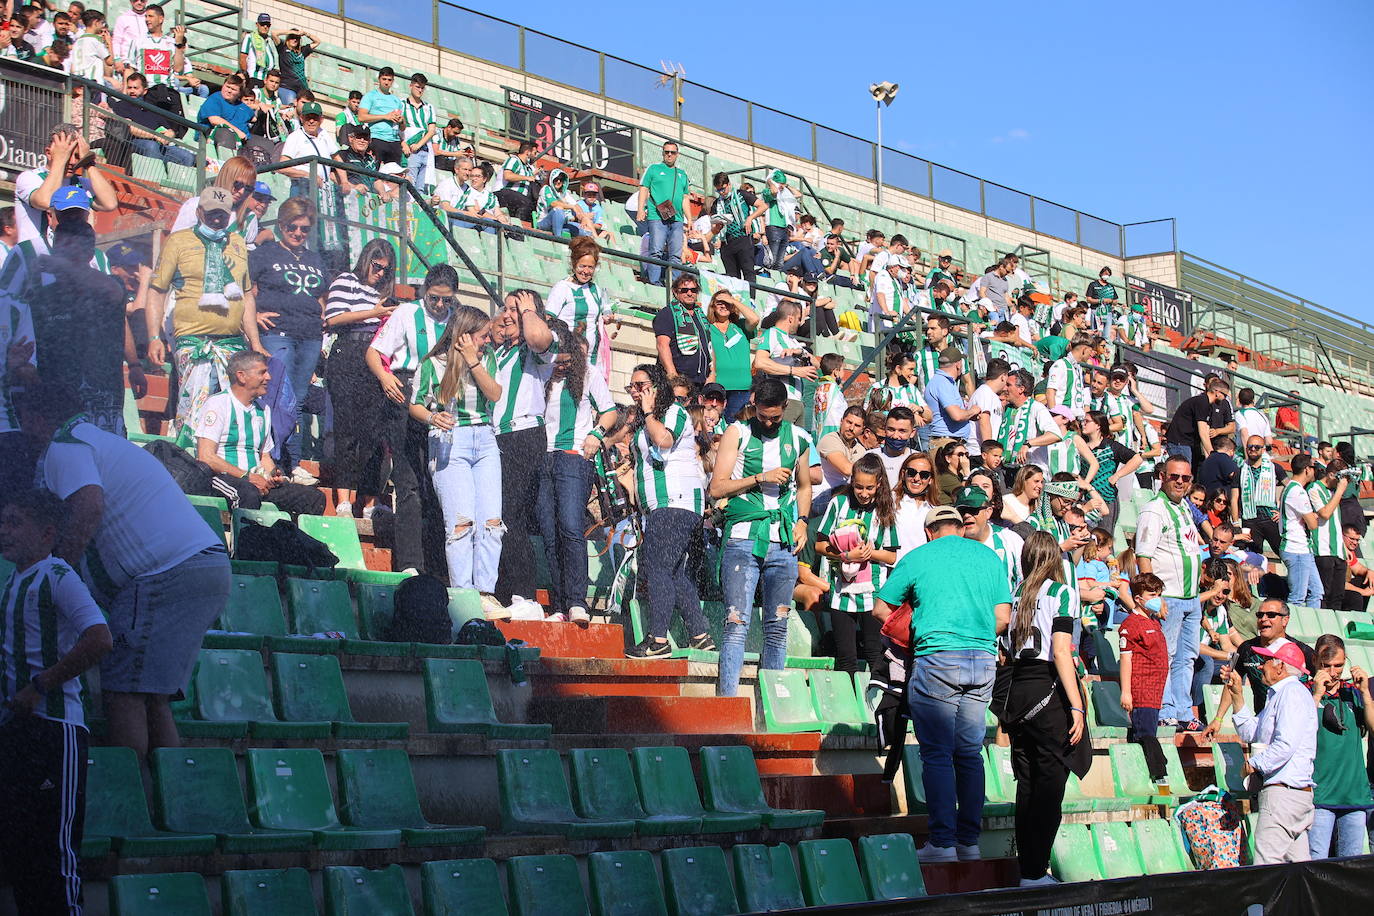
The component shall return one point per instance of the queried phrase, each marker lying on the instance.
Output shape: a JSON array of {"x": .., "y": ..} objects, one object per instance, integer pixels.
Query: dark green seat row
[
  {"x": 650, "y": 790},
  {"x": 696, "y": 881},
  {"x": 199, "y": 803}
]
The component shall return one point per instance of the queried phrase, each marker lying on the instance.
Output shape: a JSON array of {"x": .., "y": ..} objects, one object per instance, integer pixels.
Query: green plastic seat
[
  {"x": 786, "y": 701},
  {"x": 375, "y": 576},
  {"x": 352, "y": 890},
  {"x": 1073, "y": 858},
  {"x": 1211, "y": 695},
  {"x": 254, "y": 567},
  {"x": 1106, "y": 717},
  {"x": 911, "y": 779},
  {"x": 624, "y": 884},
  {"x": 279, "y": 891},
  {"x": 1078, "y": 801},
  {"x": 696, "y": 882},
  {"x": 765, "y": 878},
  {"x": 1178, "y": 777},
  {"x": 196, "y": 789},
  {"x": 835, "y": 702},
  {"x": 175, "y": 894},
  {"x": 604, "y": 789},
  {"x": 462, "y": 887},
  {"x": 1161, "y": 848},
  {"x": 545, "y": 886},
  {"x": 829, "y": 873},
  {"x": 252, "y": 613},
  {"x": 231, "y": 686},
  {"x": 458, "y": 701},
  {"x": 1229, "y": 759},
  {"x": 212, "y": 502},
  {"x": 890, "y": 868},
  {"x": 1108, "y": 662},
  {"x": 310, "y": 688},
  {"x": 667, "y": 787},
  {"x": 376, "y": 607},
  {"x": 377, "y": 791},
  {"x": 730, "y": 784},
  {"x": 116, "y": 808},
  {"x": 535, "y": 798},
  {"x": 215, "y": 520},
  {"x": 288, "y": 790},
  {"x": 999, "y": 783},
  {"x": 1131, "y": 776},
  {"x": 340, "y": 535},
  {"x": 1115, "y": 846}
]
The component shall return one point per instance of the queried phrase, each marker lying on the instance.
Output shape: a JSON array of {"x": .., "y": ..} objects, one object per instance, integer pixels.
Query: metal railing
[{"x": 223, "y": 26}]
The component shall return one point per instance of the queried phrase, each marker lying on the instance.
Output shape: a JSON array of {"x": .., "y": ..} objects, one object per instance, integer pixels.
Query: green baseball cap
[
  {"x": 970, "y": 498},
  {"x": 312, "y": 108}
]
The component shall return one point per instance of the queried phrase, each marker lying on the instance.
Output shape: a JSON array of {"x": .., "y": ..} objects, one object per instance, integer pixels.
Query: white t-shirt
[
  {"x": 890, "y": 464},
  {"x": 911, "y": 525},
  {"x": 1251, "y": 421},
  {"x": 1023, "y": 327},
  {"x": 298, "y": 144},
  {"x": 1296, "y": 504},
  {"x": 991, "y": 404},
  {"x": 832, "y": 444}
]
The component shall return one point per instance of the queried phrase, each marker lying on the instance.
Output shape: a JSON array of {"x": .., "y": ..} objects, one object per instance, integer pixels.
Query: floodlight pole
[{"x": 879, "y": 151}]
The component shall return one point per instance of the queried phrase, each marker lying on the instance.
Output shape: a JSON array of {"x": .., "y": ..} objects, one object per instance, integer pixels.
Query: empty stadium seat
[
  {"x": 545, "y": 886},
  {"x": 604, "y": 789},
  {"x": 1108, "y": 662},
  {"x": 696, "y": 882},
  {"x": 830, "y": 873},
  {"x": 462, "y": 887},
  {"x": 1106, "y": 717},
  {"x": 999, "y": 783},
  {"x": 278, "y": 891},
  {"x": 837, "y": 704},
  {"x": 377, "y": 791},
  {"x": 231, "y": 689},
  {"x": 1115, "y": 846},
  {"x": 252, "y": 612},
  {"x": 1073, "y": 858},
  {"x": 535, "y": 798},
  {"x": 1211, "y": 695},
  {"x": 196, "y": 790},
  {"x": 340, "y": 535},
  {"x": 890, "y": 868},
  {"x": 1160, "y": 846},
  {"x": 350, "y": 889},
  {"x": 288, "y": 790},
  {"x": 116, "y": 808},
  {"x": 667, "y": 787},
  {"x": 624, "y": 884},
  {"x": 175, "y": 894},
  {"x": 310, "y": 688},
  {"x": 1131, "y": 776},
  {"x": 213, "y": 518},
  {"x": 1228, "y": 757},
  {"x": 730, "y": 784},
  {"x": 766, "y": 878},
  {"x": 785, "y": 699},
  {"x": 324, "y": 606},
  {"x": 458, "y": 701}
]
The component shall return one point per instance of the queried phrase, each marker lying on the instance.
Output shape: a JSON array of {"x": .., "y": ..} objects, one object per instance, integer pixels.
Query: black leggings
[
  {"x": 850, "y": 631},
  {"x": 1037, "y": 762},
  {"x": 522, "y": 457},
  {"x": 1263, "y": 531},
  {"x": 827, "y": 325}
]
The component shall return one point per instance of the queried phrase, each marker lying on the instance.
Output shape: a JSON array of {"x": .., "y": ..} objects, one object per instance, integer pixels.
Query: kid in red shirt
[{"x": 1144, "y": 669}]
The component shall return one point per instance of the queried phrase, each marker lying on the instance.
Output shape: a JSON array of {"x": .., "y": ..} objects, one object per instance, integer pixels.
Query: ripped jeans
[
  {"x": 466, "y": 467},
  {"x": 739, "y": 578}
]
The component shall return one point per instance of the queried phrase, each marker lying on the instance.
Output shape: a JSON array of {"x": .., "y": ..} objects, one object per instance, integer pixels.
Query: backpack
[
  {"x": 190, "y": 475},
  {"x": 1212, "y": 826},
  {"x": 282, "y": 543},
  {"x": 478, "y": 633},
  {"x": 421, "y": 613}
]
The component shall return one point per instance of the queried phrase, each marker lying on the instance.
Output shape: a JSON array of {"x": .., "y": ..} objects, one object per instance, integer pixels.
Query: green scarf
[
  {"x": 761, "y": 519},
  {"x": 219, "y": 286}
]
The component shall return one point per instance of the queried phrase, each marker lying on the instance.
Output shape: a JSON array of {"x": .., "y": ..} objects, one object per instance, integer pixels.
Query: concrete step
[
  {"x": 567, "y": 640},
  {"x": 667, "y": 715}
]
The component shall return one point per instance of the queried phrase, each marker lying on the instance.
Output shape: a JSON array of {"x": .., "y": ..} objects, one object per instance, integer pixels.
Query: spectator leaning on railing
[{"x": 150, "y": 134}]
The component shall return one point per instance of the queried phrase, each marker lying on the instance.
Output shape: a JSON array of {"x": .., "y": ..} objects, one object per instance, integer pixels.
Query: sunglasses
[
  {"x": 968, "y": 511},
  {"x": 960, "y": 454},
  {"x": 377, "y": 267},
  {"x": 1270, "y": 614},
  {"x": 919, "y": 475},
  {"x": 637, "y": 386},
  {"x": 689, "y": 289},
  {"x": 1180, "y": 478},
  {"x": 241, "y": 186},
  {"x": 297, "y": 227},
  {"x": 441, "y": 300}
]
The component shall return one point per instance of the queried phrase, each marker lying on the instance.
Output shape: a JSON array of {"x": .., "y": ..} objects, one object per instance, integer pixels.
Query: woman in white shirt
[
  {"x": 913, "y": 495},
  {"x": 1018, "y": 505}
]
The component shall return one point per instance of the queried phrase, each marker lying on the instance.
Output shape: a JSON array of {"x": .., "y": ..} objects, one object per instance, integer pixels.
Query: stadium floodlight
[{"x": 883, "y": 94}]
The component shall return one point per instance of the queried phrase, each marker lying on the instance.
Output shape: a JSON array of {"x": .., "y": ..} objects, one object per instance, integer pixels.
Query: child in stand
[
  {"x": 1144, "y": 669},
  {"x": 830, "y": 404}
]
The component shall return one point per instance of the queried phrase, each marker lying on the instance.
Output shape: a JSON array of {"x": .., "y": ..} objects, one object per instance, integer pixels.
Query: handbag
[
  {"x": 666, "y": 209},
  {"x": 897, "y": 626}
]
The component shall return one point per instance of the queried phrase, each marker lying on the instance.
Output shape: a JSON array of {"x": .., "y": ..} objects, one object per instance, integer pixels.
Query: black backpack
[
  {"x": 421, "y": 613},
  {"x": 282, "y": 543},
  {"x": 192, "y": 476}
]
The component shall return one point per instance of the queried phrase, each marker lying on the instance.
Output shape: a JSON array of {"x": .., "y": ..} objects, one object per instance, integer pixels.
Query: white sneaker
[
  {"x": 968, "y": 853},
  {"x": 1044, "y": 881},
  {"x": 303, "y": 477},
  {"x": 525, "y": 609},
  {"x": 578, "y": 615},
  {"x": 559, "y": 617},
  {"x": 376, "y": 509},
  {"x": 493, "y": 609},
  {"x": 929, "y": 853},
  {"x": 343, "y": 510}
]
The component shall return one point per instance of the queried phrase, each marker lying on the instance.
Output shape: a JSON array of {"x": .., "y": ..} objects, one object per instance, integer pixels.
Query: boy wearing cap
[
  {"x": 380, "y": 111},
  {"x": 257, "y": 51},
  {"x": 417, "y": 130},
  {"x": 1283, "y": 741}
]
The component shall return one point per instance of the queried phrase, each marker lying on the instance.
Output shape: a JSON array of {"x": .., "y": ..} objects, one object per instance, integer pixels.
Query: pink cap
[{"x": 1288, "y": 653}]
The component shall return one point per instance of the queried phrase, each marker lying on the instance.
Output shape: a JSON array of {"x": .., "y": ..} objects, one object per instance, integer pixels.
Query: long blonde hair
[
  {"x": 1042, "y": 562},
  {"x": 465, "y": 320}
]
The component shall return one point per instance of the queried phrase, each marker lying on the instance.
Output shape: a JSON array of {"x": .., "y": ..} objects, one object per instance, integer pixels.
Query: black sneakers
[
  {"x": 650, "y": 648},
  {"x": 703, "y": 643}
]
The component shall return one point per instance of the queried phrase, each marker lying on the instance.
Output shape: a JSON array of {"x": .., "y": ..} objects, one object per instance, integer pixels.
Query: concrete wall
[{"x": 1159, "y": 268}]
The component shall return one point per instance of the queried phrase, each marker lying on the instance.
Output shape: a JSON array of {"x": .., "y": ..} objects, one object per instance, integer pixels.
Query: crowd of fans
[{"x": 955, "y": 527}]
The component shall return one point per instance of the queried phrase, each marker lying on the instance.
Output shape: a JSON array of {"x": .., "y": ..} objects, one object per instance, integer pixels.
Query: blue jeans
[
  {"x": 202, "y": 90},
  {"x": 1304, "y": 582},
  {"x": 416, "y": 164},
  {"x": 948, "y": 695},
  {"x": 565, "y": 482},
  {"x": 739, "y": 574},
  {"x": 287, "y": 96},
  {"x": 1185, "y": 450},
  {"x": 177, "y": 155},
  {"x": 668, "y": 536},
  {"x": 1182, "y": 633},
  {"x": 466, "y": 467},
  {"x": 665, "y": 243},
  {"x": 300, "y": 357},
  {"x": 456, "y": 223},
  {"x": 775, "y": 239},
  {"x": 806, "y": 259},
  {"x": 1348, "y": 826},
  {"x": 555, "y": 221}
]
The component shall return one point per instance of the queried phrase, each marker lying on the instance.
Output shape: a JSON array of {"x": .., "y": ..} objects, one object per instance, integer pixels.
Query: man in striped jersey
[
  {"x": 257, "y": 51},
  {"x": 761, "y": 469},
  {"x": 1065, "y": 382},
  {"x": 1027, "y": 428},
  {"x": 417, "y": 130},
  {"x": 234, "y": 440},
  {"x": 1302, "y": 518},
  {"x": 780, "y": 354},
  {"x": 51, "y": 631},
  {"x": 975, "y": 508},
  {"x": 514, "y": 188}
]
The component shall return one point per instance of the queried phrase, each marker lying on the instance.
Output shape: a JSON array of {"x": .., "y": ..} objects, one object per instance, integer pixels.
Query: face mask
[
  {"x": 216, "y": 235},
  {"x": 897, "y": 445},
  {"x": 1153, "y": 605}
]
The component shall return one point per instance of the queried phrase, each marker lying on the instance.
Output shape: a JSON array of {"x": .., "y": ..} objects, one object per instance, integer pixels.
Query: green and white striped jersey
[
  {"x": 1063, "y": 456},
  {"x": 838, "y": 513},
  {"x": 1007, "y": 545},
  {"x": 418, "y": 119},
  {"x": 775, "y": 340},
  {"x": 43, "y": 612},
  {"x": 786, "y": 449},
  {"x": 522, "y": 374},
  {"x": 1053, "y": 601},
  {"x": 261, "y": 53},
  {"x": 241, "y": 432},
  {"x": 1166, "y": 536},
  {"x": 1066, "y": 379},
  {"x": 469, "y": 407},
  {"x": 927, "y": 364},
  {"x": 1022, "y": 424},
  {"x": 1123, "y": 406},
  {"x": 886, "y": 396},
  {"x": 16, "y": 324},
  {"x": 827, "y": 407},
  {"x": 518, "y": 166},
  {"x": 1326, "y": 540},
  {"x": 584, "y": 308},
  {"x": 671, "y": 479},
  {"x": 408, "y": 336},
  {"x": 569, "y": 424},
  {"x": 87, "y": 58}
]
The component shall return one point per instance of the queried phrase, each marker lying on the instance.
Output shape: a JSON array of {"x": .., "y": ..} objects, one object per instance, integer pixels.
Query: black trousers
[
  {"x": 1041, "y": 772},
  {"x": 737, "y": 258},
  {"x": 1352, "y": 515},
  {"x": 827, "y": 325},
  {"x": 407, "y": 440},
  {"x": 855, "y": 633},
  {"x": 42, "y": 813},
  {"x": 289, "y": 497},
  {"x": 519, "y": 206},
  {"x": 1334, "y": 574},
  {"x": 358, "y": 409},
  {"x": 1263, "y": 531},
  {"x": 522, "y": 455}
]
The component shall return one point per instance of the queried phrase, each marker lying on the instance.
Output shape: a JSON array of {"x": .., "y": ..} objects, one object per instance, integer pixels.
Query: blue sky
[{"x": 1251, "y": 123}]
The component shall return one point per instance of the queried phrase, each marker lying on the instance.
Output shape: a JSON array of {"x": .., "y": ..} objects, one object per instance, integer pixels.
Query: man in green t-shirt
[
  {"x": 955, "y": 619},
  {"x": 663, "y": 183}
]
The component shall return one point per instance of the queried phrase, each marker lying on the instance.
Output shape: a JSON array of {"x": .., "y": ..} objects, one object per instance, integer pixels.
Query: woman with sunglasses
[
  {"x": 583, "y": 306},
  {"x": 357, "y": 303},
  {"x": 913, "y": 496},
  {"x": 290, "y": 311},
  {"x": 237, "y": 176},
  {"x": 1115, "y": 462},
  {"x": 951, "y": 467},
  {"x": 1346, "y": 716},
  {"x": 396, "y": 358},
  {"x": 733, "y": 325},
  {"x": 1218, "y": 508}
]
